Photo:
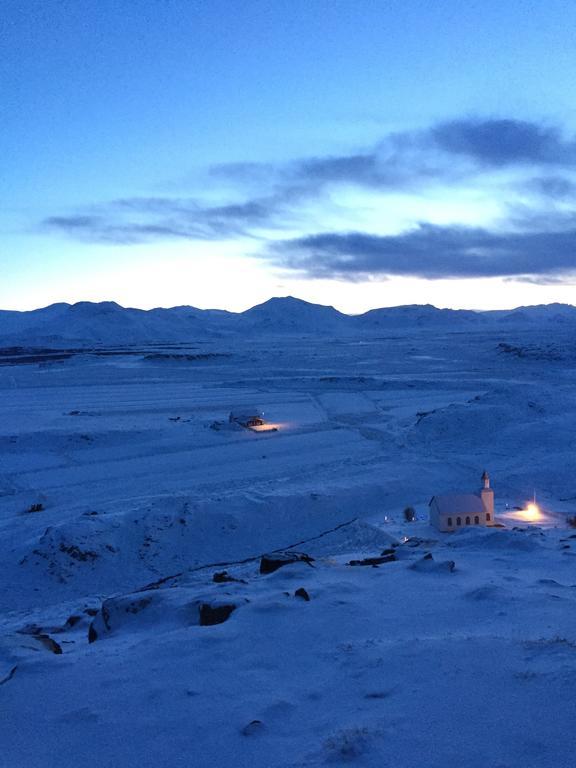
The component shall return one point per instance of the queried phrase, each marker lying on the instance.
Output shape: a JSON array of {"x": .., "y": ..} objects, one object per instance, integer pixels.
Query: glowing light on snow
[{"x": 531, "y": 513}]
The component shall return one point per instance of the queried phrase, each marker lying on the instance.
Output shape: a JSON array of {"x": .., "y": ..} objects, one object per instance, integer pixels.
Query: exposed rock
[
  {"x": 417, "y": 541},
  {"x": 301, "y": 592},
  {"x": 222, "y": 577},
  {"x": 92, "y": 634},
  {"x": 76, "y": 553},
  {"x": 137, "y": 605},
  {"x": 159, "y": 582},
  {"x": 37, "y": 631},
  {"x": 377, "y": 694},
  {"x": 409, "y": 514},
  {"x": 385, "y": 558},
  {"x": 272, "y": 562},
  {"x": 49, "y": 643},
  {"x": 30, "y": 629},
  {"x": 215, "y": 613},
  {"x": 427, "y": 564},
  {"x": 9, "y": 676},
  {"x": 253, "y": 728},
  {"x": 116, "y": 611},
  {"x": 168, "y": 607}
]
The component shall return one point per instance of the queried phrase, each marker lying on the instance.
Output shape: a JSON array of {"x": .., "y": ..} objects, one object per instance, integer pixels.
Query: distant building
[
  {"x": 453, "y": 511},
  {"x": 247, "y": 416}
]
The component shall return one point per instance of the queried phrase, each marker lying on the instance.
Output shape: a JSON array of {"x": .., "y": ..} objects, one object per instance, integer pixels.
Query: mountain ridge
[{"x": 110, "y": 323}]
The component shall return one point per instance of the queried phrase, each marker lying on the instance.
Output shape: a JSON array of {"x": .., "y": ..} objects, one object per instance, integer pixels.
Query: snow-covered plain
[{"x": 407, "y": 664}]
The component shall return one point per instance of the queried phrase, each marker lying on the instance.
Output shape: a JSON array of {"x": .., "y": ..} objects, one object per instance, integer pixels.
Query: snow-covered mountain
[
  {"x": 291, "y": 315},
  {"x": 109, "y": 323},
  {"x": 419, "y": 316},
  {"x": 106, "y": 323},
  {"x": 549, "y": 314}
]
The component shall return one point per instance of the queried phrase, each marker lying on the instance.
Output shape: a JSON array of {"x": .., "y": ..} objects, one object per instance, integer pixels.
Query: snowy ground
[{"x": 410, "y": 663}]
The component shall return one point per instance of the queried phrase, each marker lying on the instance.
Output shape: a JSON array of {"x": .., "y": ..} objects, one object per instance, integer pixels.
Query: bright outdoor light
[{"x": 531, "y": 513}]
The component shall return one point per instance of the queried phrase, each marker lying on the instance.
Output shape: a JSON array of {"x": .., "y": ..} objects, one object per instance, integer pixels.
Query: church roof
[{"x": 459, "y": 504}]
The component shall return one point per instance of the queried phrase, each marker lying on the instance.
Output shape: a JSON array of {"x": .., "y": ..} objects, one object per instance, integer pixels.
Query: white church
[{"x": 454, "y": 511}]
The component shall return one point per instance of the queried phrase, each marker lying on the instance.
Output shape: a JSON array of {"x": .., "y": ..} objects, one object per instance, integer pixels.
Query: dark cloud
[
  {"x": 73, "y": 222},
  {"x": 504, "y": 142},
  {"x": 553, "y": 187},
  {"x": 430, "y": 252},
  {"x": 101, "y": 229},
  {"x": 564, "y": 279},
  {"x": 357, "y": 169},
  {"x": 401, "y": 159},
  {"x": 274, "y": 196},
  {"x": 398, "y": 162},
  {"x": 139, "y": 220}
]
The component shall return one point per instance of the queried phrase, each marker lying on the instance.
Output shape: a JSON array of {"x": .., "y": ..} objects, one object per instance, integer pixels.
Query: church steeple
[{"x": 487, "y": 496}]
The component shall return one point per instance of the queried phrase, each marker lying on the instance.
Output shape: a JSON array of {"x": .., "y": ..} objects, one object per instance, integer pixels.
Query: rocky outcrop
[
  {"x": 272, "y": 562},
  {"x": 215, "y": 613},
  {"x": 388, "y": 556},
  {"x": 161, "y": 608}
]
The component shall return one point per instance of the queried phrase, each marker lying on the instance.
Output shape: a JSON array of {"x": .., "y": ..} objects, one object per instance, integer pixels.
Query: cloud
[
  {"x": 259, "y": 197},
  {"x": 498, "y": 143},
  {"x": 430, "y": 252},
  {"x": 420, "y": 156},
  {"x": 366, "y": 170},
  {"x": 553, "y": 187},
  {"x": 400, "y": 161},
  {"x": 139, "y": 220},
  {"x": 563, "y": 280},
  {"x": 99, "y": 229}
]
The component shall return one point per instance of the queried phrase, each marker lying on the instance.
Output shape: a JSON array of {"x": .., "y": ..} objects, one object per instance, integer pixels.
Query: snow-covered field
[{"x": 411, "y": 663}]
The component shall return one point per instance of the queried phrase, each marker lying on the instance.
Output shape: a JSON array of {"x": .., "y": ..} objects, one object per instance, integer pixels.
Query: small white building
[{"x": 453, "y": 511}]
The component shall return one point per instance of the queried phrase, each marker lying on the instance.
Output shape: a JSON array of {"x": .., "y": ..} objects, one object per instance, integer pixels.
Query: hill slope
[{"x": 111, "y": 324}]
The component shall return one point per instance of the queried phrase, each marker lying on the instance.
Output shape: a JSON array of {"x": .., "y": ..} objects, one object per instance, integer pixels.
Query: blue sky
[{"x": 162, "y": 152}]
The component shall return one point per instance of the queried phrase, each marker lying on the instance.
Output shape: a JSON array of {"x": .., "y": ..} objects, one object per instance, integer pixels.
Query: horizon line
[{"x": 288, "y": 296}]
